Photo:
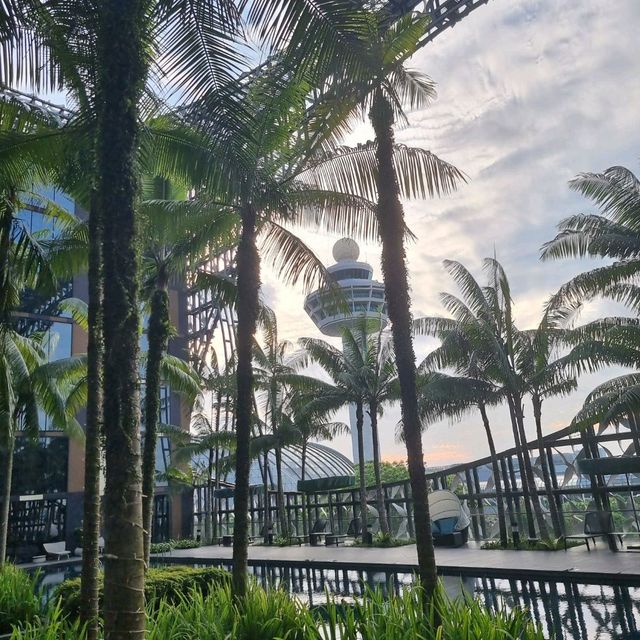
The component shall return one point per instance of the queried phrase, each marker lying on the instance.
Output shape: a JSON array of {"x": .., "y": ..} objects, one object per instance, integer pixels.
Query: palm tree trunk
[
  {"x": 303, "y": 477},
  {"x": 93, "y": 434},
  {"x": 380, "y": 502},
  {"x": 284, "y": 525},
  {"x": 248, "y": 270},
  {"x": 361, "y": 469},
  {"x": 213, "y": 503},
  {"x": 526, "y": 493},
  {"x": 208, "y": 511},
  {"x": 282, "y": 516},
  {"x": 531, "y": 481},
  {"x": 502, "y": 521},
  {"x": 6, "y": 225},
  {"x": 548, "y": 486},
  {"x": 394, "y": 268},
  {"x": 7, "y": 473},
  {"x": 158, "y": 330},
  {"x": 121, "y": 64}
]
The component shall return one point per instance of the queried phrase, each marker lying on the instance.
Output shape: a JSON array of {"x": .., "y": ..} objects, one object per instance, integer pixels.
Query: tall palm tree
[
  {"x": 347, "y": 389},
  {"x": 375, "y": 360},
  {"x": 191, "y": 37},
  {"x": 457, "y": 352},
  {"x": 612, "y": 234},
  {"x": 546, "y": 375},
  {"x": 265, "y": 183},
  {"x": 380, "y": 86},
  {"x": 178, "y": 235},
  {"x": 275, "y": 372},
  {"x": 485, "y": 317},
  {"x": 307, "y": 425}
]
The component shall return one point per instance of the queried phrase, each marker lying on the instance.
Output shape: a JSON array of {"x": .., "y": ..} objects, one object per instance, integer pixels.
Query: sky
[{"x": 530, "y": 93}]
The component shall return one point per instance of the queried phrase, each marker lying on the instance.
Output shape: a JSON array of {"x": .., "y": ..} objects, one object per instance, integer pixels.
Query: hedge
[{"x": 167, "y": 583}]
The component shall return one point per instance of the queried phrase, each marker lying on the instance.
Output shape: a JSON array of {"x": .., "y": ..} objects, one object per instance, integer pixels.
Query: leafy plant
[
  {"x": 555, "y": 544},
  {"x": 384, "y": 540},
  {"x": 168, "y": 584},
  {"x": 271, "y": 615},
  {"x": 19, "y": 599}
]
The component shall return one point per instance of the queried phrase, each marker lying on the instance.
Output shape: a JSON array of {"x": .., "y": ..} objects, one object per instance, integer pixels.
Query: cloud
[{"x": 531, "y": 92}]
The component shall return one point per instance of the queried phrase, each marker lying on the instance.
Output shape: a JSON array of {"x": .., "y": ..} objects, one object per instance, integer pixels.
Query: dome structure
[
  {"x": 346, "y": 249},
  {"x": 322, "y": 462}
]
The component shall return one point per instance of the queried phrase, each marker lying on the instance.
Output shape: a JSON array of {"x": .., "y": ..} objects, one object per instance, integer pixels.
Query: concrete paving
[{"x": 600, "y": 566}]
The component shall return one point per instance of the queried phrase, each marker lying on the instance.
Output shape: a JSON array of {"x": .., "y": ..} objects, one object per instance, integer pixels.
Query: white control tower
[{"x": 365, "y": 299}]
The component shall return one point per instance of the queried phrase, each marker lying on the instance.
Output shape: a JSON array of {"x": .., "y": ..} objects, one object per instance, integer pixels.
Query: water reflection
[{"x": 565, "y": 610}]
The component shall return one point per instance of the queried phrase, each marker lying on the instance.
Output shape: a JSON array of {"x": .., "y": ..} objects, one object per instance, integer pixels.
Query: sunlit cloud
[{"x": 531, "y": 92}]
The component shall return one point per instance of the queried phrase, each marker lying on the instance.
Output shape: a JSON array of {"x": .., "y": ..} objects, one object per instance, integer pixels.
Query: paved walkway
[{"x": 601, "y": 566}]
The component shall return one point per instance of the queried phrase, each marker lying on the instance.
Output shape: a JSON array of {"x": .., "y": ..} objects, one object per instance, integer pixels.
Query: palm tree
[
  {"x": 457, "y": 352},
  {"x": 485, "y": 317},
  {"x": 178, "y": 234},
  {"x": 191, "y": 37},
  {"x": 266, "y": 186},
  {"x": 374, "y": 358},
  {"x": 275, "y": 370},
  {"x": 612, "y": 234},
  {"x": 380, "y": 85},
  {"x": 546, "y": 375},
  {"x": 308, "y": 425}
]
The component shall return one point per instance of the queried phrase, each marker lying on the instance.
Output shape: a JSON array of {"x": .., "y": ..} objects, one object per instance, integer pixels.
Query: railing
[{"x": 574, "y": 493}]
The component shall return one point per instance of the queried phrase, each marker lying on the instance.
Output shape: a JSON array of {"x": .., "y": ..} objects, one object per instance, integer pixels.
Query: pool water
[{"x": 565, "y": 610}]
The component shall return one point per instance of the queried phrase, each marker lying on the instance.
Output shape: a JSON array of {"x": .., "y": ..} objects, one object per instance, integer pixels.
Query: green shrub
[
  {"x": 167, "y": 583},
  {"x": 19, "y": 598},
  {"x": 185, "y": 543},
  {"x": 274, "y": 615},
  {"x": 556, "y": 544},
  {"x": 165, "y": 547},
  {"x": 384, "y": 541}
]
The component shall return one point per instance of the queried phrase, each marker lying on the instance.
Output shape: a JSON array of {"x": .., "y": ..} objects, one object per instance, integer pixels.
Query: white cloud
[{"x": 531, "y": 92}]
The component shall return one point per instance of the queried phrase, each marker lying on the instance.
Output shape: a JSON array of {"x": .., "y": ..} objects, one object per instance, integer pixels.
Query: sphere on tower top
[{"x": 346, "y": 249}]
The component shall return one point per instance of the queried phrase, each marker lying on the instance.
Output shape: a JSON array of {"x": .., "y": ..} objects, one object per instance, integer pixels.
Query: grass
[
  {"x": 19, "y": 598},
  {"x": 556, "y": 544},
  {"x": 274, "y": 615}
]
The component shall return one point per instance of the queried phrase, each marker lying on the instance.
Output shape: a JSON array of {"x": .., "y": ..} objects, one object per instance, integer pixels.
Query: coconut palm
[
  {"x": 457, "y": 352},
  {"x": 485, "y": 316},
  {"x": 380, "y": 86},
  {"x": 178, "y": 235},
  {"x": 349, "y": 388},
  {"x": 611, "y": 234},
  {"x": 266, "y": 186},
  {"x": 378, "y": 373},
  {"x": 307, "y": 425}
]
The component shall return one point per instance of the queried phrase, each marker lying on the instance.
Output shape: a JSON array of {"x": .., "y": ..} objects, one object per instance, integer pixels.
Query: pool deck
[{"x": 600, "y": 566}]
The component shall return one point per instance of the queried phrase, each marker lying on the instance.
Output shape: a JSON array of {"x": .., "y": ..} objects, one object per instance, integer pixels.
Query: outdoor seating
[
  {"x": 56, "y": 550},
  {"x": 597, "y": 524},
  {"x": 318, "y": 531},
  {"x": 450, "y": 519}
]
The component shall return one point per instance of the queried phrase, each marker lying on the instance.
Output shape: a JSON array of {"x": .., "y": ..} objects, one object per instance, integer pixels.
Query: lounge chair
[
  {"x": 597, "y": 524},
  {"x": 450, "y": 519},
  {"x": 56, "y": 550}
]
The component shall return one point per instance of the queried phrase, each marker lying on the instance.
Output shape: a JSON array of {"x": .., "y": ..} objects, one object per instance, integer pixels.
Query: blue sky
[{"x": 530, "y": 93}]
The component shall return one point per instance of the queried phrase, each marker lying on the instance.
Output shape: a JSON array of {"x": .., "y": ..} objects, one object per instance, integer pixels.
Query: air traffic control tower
[{"x": 365, "y": 299}]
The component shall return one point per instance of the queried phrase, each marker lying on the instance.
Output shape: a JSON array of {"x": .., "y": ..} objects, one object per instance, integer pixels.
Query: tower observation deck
[{"x": 364, "y": 299}]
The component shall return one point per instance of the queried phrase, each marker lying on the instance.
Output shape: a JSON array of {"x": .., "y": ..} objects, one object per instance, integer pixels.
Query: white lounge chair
[
  {"x": 450, "y": 519},
  {"x": 56, "y": 550}
]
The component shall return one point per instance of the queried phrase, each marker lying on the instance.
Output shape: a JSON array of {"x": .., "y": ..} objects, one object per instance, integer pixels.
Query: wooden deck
[{"x": 600, "y": 566}]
